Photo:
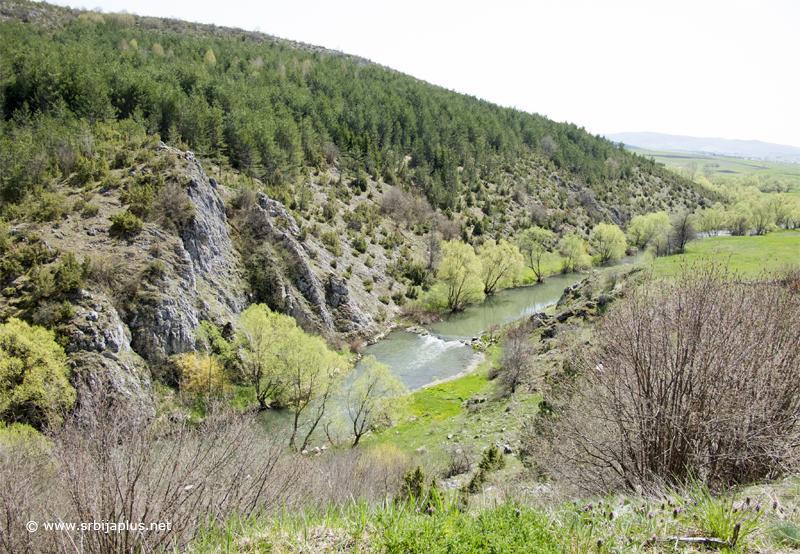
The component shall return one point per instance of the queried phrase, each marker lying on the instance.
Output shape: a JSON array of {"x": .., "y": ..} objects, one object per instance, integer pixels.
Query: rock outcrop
[
  {"x": 106, "y": 372},
  {"x": 201, "y": 280}
]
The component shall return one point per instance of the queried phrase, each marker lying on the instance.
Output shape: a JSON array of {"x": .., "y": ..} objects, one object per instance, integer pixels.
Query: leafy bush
[
  {"x": 360, "y": 244},
  {"x": 69, "y": 275},
  {"x": 90, "y": 210},
  {"x": 125, "y": 225},
  {"x": 35, "y": 385},
  {"x": 331, "y": 241}
]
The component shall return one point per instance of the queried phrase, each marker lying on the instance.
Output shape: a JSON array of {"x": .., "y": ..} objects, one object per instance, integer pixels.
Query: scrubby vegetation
[{"x": 672, "y": 404}]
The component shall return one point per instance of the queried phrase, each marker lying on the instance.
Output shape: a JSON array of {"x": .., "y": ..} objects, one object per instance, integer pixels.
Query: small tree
[
  {"x": 515, "y": 359},
  {"x": 259, "y": 339},
  {"x": 533, "y": 245},
  {"x": 372, "y": 399},
  {"x": 712, "y": 220},
  {"x": 501, "y": 264},
  {"x": 573, "y": 249},
  {"x": 201, "y": 374},
  {"x": 609, "y": 242},
  {"x": 459, "y": 276},
  {"x": 684, "y": 229},
  {"x": 34, "y": 378},
  {"x": 644, "y": 229}
]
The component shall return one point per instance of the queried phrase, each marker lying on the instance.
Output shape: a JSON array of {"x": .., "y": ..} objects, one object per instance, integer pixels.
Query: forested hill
[{"x": 269, "y": 108}]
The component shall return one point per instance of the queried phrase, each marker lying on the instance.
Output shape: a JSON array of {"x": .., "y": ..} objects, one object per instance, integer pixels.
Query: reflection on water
[
  {"x": 503, "y": 307},
  {"x": 418, "y": 360}
]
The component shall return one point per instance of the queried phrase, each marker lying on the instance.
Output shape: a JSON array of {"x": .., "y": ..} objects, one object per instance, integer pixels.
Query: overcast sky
[{"x": 726, "y": 69}]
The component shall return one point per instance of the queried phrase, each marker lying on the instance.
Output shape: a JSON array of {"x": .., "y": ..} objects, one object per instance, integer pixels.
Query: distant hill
[{"x": 723, "y": 147}]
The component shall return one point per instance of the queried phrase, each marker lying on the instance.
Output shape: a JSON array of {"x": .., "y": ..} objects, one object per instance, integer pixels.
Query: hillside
[
  {"x": 752, "y": 149},
  {"x": 194, "y": 170}
]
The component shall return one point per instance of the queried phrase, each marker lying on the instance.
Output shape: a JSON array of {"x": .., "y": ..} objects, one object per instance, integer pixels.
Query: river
[{"x": 418, "y": 359}]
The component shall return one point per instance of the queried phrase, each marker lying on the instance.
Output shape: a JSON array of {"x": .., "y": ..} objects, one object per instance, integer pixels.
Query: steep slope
[{"x": 289, "y": 175}]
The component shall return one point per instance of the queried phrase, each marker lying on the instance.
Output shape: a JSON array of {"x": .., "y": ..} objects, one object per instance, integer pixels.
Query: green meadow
[{"x": 748, "y": 255}]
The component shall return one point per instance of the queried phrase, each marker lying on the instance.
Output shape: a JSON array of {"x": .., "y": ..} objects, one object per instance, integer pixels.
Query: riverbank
[{"x": 477, "y": 359}]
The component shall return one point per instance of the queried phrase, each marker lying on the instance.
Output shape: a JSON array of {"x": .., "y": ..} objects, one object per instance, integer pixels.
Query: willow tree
[
  {"x": 373, "y": 398},
  {"x": 533, "y": 244},
  {"x": 501, "y": 265},
  {"x": 459, "y": 277},
  {"x": 609, "y": 242}
]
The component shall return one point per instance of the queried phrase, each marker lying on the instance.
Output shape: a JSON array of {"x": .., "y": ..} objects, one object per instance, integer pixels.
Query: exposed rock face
[
  {"x": 106, "y": 372},
  {"x": 324, "y": 302},
  {"x": 201, "y": 279}
]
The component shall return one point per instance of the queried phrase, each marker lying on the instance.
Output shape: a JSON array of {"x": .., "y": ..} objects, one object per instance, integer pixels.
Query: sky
[{"x": 704, "y": 68}]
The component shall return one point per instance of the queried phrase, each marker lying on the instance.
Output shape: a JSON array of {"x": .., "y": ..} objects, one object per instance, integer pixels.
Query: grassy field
[
  {"x": 748, "y": 255},
  {"x": 729, "y": 166}
]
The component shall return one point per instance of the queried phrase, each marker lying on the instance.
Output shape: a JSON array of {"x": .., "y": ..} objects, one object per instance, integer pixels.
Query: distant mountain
[{"x": 722, "y": 147}]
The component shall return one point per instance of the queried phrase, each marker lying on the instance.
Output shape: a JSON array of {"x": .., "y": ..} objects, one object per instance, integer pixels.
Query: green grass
[
  {"x": 727, "y": 166},
  {"x": 749, "y": 255},
  {"x": 527, "y": 524}
]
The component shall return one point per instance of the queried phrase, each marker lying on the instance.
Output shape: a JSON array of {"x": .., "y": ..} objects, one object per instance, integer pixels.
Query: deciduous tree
[
  {"x": 573, "y": 249},
  {"x": 609, "y": 242},
  {"x": 34, "y": 378},
  {"x": 373, "y": 398},
  {"x": 459, "y": 276},
  {"x": 501, "y": 264},
  {"x": 533, "y": 244}
]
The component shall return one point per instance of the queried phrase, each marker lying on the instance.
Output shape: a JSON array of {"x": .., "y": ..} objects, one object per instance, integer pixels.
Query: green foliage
[
  {"x": 609, "y": 242},
  {"x": 238, "y": 101},
  {"x": 573, "y": 249},
  {"x": 69, "y": 275},
  {"x": 34, "y": 378},
  {"x": 125, "y": 225},
  {"x": 644, "y": 230},
  {"x": 533, "y": 244},
  {"x": 288, "y": 367},
  {"x": 459, "y": 278},
  {"x": 501, "y": 264},
  {"x": 331, "y": 241},
  {"x": 413, "y": 486},
  {"x": 360, "y": 244},
  {"x": 491, "y": 461},
  {"x": 374, "y": 398}
]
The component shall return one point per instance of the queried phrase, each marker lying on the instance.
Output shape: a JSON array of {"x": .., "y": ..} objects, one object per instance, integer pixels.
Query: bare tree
[
  {"x": 684, "y": 229},
  {"x": 515, "y": 359},
  {"x": 692, "y": 378},
  {"x": 549, "y": 145}
]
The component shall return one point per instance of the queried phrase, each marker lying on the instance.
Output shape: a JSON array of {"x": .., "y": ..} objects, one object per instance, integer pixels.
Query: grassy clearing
[{"x": 749, "y": 255}]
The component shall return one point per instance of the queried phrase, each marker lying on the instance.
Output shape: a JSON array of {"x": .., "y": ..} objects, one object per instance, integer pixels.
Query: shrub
[
  {"x": 692, "y": 378},
  {"x": 69, "y": 275},
  {"x": 331, "y": 241},
  {"x": 35, "y": 384},
  {"x": 126, "y": 225},
  {"x": 90, "y": 210},
  {"x": 360, "y": 244},
  {"x": 384, "y": 298}
]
